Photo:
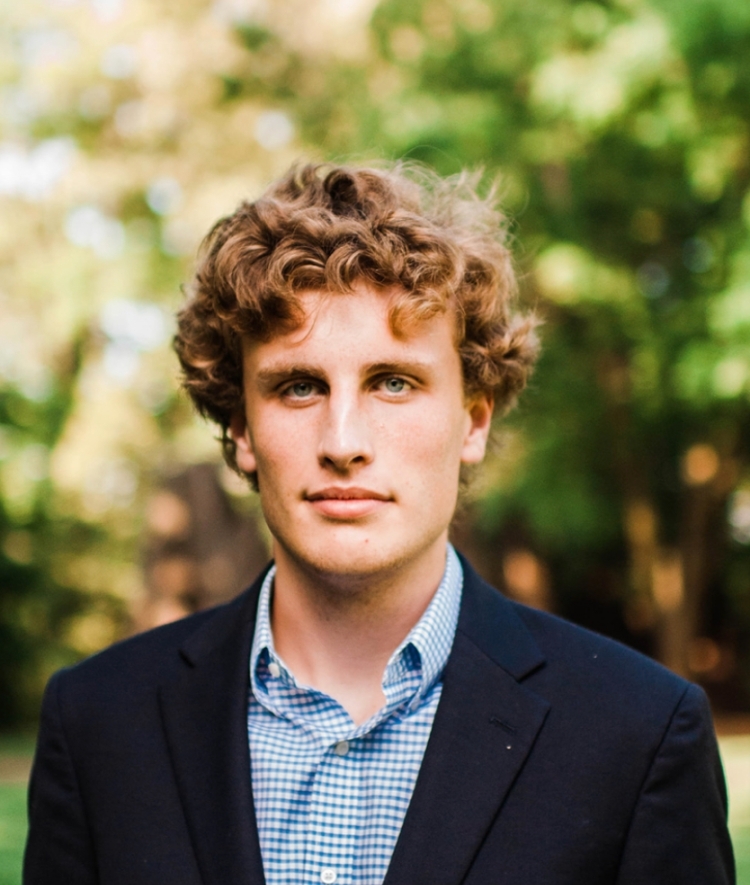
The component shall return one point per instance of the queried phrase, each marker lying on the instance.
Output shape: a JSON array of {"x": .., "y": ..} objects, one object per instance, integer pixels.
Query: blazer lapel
[
  {"x": 204, "y": 711},
  {"x": 484, "y": 728}
]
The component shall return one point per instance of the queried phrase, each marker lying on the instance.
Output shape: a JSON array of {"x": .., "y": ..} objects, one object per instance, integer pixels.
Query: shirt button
[
  {"x": 274, "y": 669},
  {"x": 328, "y": 876},
  {"x": 341, "y": 749}
]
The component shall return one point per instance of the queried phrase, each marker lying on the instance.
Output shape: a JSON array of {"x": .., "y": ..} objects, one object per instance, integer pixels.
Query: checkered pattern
[{"x": 330, "y": 797}]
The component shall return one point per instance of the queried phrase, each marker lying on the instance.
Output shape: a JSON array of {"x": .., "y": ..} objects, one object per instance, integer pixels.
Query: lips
[
  {"x": 341, "y": 502},
  {"x": 340, "y": 493}
]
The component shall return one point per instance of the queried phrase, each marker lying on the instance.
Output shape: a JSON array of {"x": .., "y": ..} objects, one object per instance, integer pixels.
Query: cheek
[
  {"x": 429, "y": 442},
  {"x": 278, "y": 437},
  {"x": 277, "y": 461},
  {"x": 270, "y": 477}
]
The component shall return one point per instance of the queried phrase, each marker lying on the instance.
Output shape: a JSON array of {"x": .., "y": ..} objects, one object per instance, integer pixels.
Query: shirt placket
[{"x": 334, "y": 816}]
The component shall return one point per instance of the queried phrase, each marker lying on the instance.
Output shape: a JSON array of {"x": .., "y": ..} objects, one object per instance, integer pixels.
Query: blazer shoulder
[
  {"x": 545, "y": 648},
  {"x": 584, "y": 675},
  {"x": 563, "y": 639},
  {"x": 603, "y": 678}
]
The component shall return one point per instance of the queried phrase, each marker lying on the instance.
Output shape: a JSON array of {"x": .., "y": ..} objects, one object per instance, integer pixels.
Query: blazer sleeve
[
  {"x": 678, "y": 832},
  {"x": 59, "y": 846}
]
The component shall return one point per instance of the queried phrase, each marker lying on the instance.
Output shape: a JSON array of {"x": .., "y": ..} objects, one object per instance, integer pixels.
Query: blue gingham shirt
[{"x": 330, "y": 796}]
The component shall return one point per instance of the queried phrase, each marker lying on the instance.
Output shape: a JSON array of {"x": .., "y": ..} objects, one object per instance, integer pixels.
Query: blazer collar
[
  {"x": 492, "y": 624},
  {"x": 484, "y": 728}
]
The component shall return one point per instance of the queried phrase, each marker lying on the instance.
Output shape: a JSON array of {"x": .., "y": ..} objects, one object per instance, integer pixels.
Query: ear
[
  {"x": 479, "y": 412},
  {"x": 245, "y": 452}
]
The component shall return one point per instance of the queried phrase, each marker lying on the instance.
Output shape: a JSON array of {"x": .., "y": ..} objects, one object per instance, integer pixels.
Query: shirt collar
[{"x": 424, "y": 651}]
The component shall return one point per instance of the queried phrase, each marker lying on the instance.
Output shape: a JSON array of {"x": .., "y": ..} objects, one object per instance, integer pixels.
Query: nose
[{"x": 345, "y": 439}]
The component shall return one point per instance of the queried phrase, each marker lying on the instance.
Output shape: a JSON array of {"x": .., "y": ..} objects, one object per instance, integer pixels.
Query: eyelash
[
  {"x": 407, "y": 385},
  {"x": 288, "y": 390}
]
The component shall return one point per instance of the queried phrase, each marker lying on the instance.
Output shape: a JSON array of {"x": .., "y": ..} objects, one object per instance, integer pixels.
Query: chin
[{"x": 348, "y": 564}]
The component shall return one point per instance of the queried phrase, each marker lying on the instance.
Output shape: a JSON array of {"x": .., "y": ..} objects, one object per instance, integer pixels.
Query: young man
[{"x": 369, "y": 710}]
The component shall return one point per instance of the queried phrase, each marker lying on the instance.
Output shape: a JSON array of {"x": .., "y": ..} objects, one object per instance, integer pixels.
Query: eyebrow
[
  {"x": 268, "y": 378},
  {"x": 400, "y": 367}
]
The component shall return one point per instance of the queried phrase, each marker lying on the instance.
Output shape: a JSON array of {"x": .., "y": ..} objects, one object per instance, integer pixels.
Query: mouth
[{"x": 341, "y": 502}]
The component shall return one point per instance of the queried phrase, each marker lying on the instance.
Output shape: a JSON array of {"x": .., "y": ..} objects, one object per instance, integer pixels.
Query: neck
[{"x": 337, "y": 633}]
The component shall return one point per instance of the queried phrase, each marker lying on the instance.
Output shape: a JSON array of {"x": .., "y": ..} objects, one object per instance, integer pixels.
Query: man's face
[{"x": 357, "y": 436}]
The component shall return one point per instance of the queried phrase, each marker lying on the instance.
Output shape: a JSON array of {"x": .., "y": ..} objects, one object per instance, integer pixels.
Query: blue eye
[
  {"x": 301, "y": 389},
  {"x": 395, "y": 385}
]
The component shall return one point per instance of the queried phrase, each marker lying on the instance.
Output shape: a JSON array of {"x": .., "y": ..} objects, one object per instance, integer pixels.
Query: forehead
[{"x": 365, "y": 324}]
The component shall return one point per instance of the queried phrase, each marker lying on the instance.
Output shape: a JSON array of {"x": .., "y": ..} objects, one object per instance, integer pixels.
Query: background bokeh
[{"x": 618, "y": 134}]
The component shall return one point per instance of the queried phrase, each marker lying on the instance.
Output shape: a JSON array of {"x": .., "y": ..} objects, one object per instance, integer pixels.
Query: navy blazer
[{"x": 557, "y": 757}]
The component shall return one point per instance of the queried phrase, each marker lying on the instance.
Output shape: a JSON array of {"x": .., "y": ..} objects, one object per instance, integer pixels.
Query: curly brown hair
[{"x": 433, "y": 242}]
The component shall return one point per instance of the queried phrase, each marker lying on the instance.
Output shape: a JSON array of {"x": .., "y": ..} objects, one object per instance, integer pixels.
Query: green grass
[
  {"x": 12, "y": 832},
  {"x": 735, "y": 752},
  {"x": 741, "y": 842}
]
